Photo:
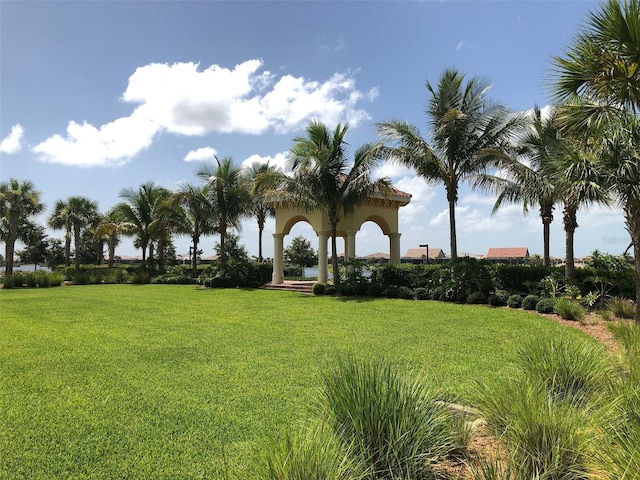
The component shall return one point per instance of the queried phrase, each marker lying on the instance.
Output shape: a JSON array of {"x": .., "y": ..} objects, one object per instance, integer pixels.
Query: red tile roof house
[
  {"x": 510, "y": 255},
  {"x": 418, "y": 255}
]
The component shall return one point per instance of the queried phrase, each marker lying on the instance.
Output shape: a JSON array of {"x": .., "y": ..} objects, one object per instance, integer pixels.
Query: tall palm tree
[
  {"x": 60, "y": 220},
  {"x": 323, "y": 179},
  {"x": 19, "y": 201},
  {"x": 109, "y": 228},
  {"x": 258, "y": 206},
  {"x": 82, "y": 212},
  {"x": 194, "y": 215},
  {"x": 229, "y": 195},
  {"x": 141, "y": 208},
  {"x": 599, "y": 79},
  {"x": 463, "y": 123},
  {"x": 526, "y": 176}
]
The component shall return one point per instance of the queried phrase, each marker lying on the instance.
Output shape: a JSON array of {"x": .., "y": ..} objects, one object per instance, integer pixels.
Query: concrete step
[{"x": 291, "y": 286}]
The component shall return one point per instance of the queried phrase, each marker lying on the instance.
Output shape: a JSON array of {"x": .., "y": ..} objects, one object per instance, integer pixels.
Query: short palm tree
[
  {"x": 109, "y": 228},
  {"x": 323, "y": 178},
  {"x": 464, "y": 122},
  {"x": 259, "y": 207},
  {"x": 82, "y": 212},
  {"x": 229, "y": 195},
  {"x": 60, "y": 220},
  {"x": 525, "y": 177},
  {"x": 19, "y": 201},
  {"x": 141, "y": 208},
  {"x": 599, "y": 79},
  {"x": 194, "y": 215}
]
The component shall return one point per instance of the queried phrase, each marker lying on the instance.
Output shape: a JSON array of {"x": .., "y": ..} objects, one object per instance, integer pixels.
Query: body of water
[{"x": 27, "y": 268}]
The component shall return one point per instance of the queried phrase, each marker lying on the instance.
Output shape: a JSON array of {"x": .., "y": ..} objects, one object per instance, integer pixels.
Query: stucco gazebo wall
[{"x": 382, "y": 211}]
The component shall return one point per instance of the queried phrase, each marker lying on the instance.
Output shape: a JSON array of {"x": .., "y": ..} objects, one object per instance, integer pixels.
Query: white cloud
[
  {"x": 183, "y": 99},
  {"x": 470, "y": 221},
  {"x": 110, "y": 145},
  {"x": 278, "y": 161},
  {"x": 421, "y": 195},
  {"x": 460, "y": 45},
  {"x": 204, "y": 153},
  {"x": 12, "y": 143}
]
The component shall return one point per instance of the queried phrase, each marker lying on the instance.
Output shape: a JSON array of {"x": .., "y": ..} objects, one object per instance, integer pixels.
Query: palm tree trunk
[
  {"x": 223, "y": 251},
  {"x": 334, "y": 253},
  {"x": 260, "y": 229},
  {"x": 632, "y": 219},
  {"x": 10, "y": 247},
  {"x": 194, "y": 259},
  {"x": 452, "y": 227},
  {"x": 570, "y": 225},
  {"x": 76, "y": 245},
  {"x": 547, "y": 217},
  {"x": 112, "y": 252},
  {"x": 67, "y": 248}
]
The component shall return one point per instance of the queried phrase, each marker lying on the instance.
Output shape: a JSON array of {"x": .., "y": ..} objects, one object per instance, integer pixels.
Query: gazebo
[{"x": 376, "y": 208}]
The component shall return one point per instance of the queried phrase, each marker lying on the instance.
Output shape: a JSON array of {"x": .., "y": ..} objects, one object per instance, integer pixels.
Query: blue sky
[{"x": 100, "y": 96}]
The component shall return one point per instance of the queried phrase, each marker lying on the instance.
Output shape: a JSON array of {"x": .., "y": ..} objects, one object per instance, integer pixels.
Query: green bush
[
  {"x": 546, "y": 305},
  {"x": 477, "y": 298},
  {"x": 514, "y": 301},
  {"x": 569, "y": 309},
  {"x": 375, "y": 290},
  {"x": 319, "y": 288},
  {"x": 346, "y": 289},
  {"x": 422, "y": 293},
  {"x": 330, "y": 290},
  {"x": 622, "y": 308},
  {"x": 405, "y": 293},
  {"x": 499, "y": 298},
  {"x": 391, "y": 292},
  {"x": 393, "y": 420},
  {"x": 530, "y": 301}
]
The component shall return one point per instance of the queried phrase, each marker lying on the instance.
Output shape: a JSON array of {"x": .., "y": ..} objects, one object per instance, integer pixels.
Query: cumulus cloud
[
  {"x": 204, "y": 153},
  {"x": 471, "y": 220},
  {"x": 278, "y": 161},
  {"x": 421, "y": 196},
  {"x": 186, "y": 100},
  {"x": 12, "y": 143}
]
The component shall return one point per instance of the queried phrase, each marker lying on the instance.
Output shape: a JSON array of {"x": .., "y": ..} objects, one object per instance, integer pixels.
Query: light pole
[{"x": 427, "y": 247}]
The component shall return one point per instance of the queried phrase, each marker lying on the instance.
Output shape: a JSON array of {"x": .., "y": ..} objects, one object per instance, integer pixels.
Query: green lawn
[{"x": 122, "y": 381}]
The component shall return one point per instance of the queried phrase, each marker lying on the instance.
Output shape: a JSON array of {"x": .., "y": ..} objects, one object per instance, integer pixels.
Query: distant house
[
  {"x": 510, "y": 255},
  {"x": 377, "y": 257},
  {"x": 419, "y": 255}
]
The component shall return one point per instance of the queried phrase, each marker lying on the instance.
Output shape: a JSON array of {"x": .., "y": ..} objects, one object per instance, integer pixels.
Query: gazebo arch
[{"x": 377, "y": 208}]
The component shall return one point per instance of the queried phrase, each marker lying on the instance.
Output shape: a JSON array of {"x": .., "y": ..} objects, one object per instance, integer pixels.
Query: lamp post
[{"x": 427, "y": 247}]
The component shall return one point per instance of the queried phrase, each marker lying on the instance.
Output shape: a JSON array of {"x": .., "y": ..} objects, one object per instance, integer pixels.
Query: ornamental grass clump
[
  {"x": 314, "y": 452},
  {"x": 569, "y": 309},
  {"x": 622, "y": 308},
  {"x": 391, "y": 419}
]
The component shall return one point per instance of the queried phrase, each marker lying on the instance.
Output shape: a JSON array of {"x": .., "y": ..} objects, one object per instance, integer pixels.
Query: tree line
[{"x": 584, "y": 150}]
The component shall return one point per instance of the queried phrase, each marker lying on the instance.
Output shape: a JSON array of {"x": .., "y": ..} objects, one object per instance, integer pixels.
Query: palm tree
[
  {"x": 18, "y": 202},
  {"x": 258, "y": 206},
  {"x": 229, "y": 195},
  {"x": 599, "y": 79},
  {"x": 109, "y": 228},
  {"x": 82, "y": 212},
  {"x": 464, "y": 122},
  {"x": 323, "y": 180},
  {"x": 59, "y": 220},
  {"x": 194, "y": 215},
  {"x": 141, "y": 209},
  {"x": 525, "y": 177}
]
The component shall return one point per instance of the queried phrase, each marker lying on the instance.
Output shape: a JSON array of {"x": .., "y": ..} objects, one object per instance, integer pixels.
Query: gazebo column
[
  {"x": 278, "y": 258},
  {"x": 350, "y": 248},
  {"x": 322, "y": 257},
  {"x": 394, "y": 248}
]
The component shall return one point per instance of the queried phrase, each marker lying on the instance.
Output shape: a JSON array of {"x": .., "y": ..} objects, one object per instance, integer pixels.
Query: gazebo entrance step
[{"x": 292, "y": 286}]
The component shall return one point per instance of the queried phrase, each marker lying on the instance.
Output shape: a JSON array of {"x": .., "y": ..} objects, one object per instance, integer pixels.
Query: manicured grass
[{"x": 122, "y": 381}]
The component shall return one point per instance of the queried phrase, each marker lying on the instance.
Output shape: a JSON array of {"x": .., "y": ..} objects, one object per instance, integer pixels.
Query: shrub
[
  {"x": 393, "y": 420},
  {"x": 628, "y": 336},
  {"x": 546, "y": 305},
  {"x": 622, "y": 308},
  {"x": 375, "y": 290},
  {"x": 569, "y": 309},
  {"x": 499, "y": 298},
  {"x": 405, "y": 293},
  {"x": 319, "y": 288},
  {"x": 460, "y": 297},
  {"x": 514, "y": 301},
  {"x": 330, "y": 290},
  {"x": 422, "y": 294},
  {"x": 391, "y": 292},
  {"x": 346, "y": 289},
  {"x": 476, "y": 298},
  {"x": 530, "y": 301}
]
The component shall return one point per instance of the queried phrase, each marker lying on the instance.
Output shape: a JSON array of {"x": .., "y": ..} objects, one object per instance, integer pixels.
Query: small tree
[{"x": 300, "y": 252}]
